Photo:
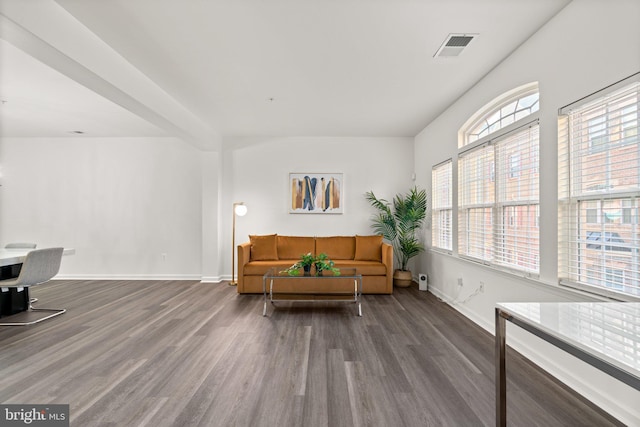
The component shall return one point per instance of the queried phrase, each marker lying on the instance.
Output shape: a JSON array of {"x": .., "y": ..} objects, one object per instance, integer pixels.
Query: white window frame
[
  {"x": 476, "y": 203},
  {"x": 501, "y": 113},
  {"x": 442, "y": 206},
  {"x": 585, "y": 264},
  {"x": 509, "y": 120},
  {"x": 488, "y": 244}
]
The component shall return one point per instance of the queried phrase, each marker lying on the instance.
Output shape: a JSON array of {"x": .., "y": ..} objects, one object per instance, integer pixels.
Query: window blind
[
  {"x": 517, "y": 200},
  {"x": 442, "y": 207},
  {"x": 476, "y": 198},
  {"x": 599, "y": 188},
  {"x": 498, "y": 201}
]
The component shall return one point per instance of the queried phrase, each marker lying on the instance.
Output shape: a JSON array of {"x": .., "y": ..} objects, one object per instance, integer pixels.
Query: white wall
[
  {"x": 211, "y": 220},
  {"x": 124, "y": 202},
  {"x": 576, "y": 53},
  {"x": 120, "y": 202},
  {"x": 257, "y": 173}
]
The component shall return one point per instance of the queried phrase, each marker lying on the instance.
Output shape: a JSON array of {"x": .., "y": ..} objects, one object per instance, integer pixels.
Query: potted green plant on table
[
  {"x": 321, "y": 263},
  {"x": 399, "y": 223}
]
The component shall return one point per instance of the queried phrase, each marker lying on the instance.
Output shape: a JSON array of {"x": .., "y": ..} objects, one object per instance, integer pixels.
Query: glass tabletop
[
  {"x": 608, "y": 330},
  {"x": 280, "y": 273}
]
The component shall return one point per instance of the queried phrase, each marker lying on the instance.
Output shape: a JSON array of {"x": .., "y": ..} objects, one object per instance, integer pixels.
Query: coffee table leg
[
  {"x": 270, "y": 292},
  {"x": 264, "y": 291},
  {"x": 358, "y": 294}
]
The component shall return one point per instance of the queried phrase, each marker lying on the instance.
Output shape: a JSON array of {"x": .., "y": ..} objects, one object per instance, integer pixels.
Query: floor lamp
[{"x": 239, "y": 209}]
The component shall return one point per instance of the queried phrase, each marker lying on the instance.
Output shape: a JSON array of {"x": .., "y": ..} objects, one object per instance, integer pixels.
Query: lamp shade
[{"x": 240, "y": 210}]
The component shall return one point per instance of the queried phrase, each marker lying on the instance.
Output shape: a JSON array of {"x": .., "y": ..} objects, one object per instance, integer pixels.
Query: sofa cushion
[
  {"x": 264, "y": 248},
  {"x": 293, "y": 247},
  {"x": 259, "y": 268},
  {"x": 336, "y": 247},
  {"x": 368, "y": 248},
  {"x": 366, "y": 268}
]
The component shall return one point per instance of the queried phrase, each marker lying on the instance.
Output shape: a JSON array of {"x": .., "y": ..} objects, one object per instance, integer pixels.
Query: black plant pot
[{"x": 307, "y": 270}]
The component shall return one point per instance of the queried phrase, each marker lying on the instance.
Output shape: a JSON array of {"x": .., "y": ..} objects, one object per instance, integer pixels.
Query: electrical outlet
[
  {"x": 164, "y": 257},
  {"x": 481, "y": 287},
  {"x": 460, "y": 281}
]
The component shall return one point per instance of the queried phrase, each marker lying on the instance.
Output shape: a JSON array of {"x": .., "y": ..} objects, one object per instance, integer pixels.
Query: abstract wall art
[{"x": 318, "y": 193}]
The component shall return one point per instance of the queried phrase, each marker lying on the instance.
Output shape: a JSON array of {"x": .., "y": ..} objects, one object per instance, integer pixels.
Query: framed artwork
[{"x": 316, "y": 193}]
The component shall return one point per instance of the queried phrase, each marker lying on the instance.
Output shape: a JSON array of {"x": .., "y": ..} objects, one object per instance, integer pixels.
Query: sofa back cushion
[
  {"x": 336, "y": 247},
  {"x": 264, "y": 248},
  {"x": 293, "y": 247},
  {"x": 368, "y": 248}
]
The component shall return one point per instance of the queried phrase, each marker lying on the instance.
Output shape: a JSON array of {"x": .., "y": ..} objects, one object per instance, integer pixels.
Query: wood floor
[{"x": 171, "y": 353}]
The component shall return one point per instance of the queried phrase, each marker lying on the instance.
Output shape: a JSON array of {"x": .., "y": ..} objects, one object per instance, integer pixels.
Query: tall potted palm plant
[{"x": 399, "y": 223}]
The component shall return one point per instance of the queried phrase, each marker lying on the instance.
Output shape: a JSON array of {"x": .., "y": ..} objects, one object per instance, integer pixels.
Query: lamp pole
[{"x": 239, "y": 209}]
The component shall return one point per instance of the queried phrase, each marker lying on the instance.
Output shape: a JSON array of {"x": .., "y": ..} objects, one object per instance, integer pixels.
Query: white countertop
[{"x": 607, "y": 330}]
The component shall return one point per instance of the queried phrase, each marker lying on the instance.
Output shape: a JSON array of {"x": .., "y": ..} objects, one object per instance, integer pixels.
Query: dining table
[{"x": 17, "y": 256}]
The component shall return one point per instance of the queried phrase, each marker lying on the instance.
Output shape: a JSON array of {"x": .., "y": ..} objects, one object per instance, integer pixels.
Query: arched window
[
  {"x": 503, "y": 111},
  {"x": 498, "y": 183}
]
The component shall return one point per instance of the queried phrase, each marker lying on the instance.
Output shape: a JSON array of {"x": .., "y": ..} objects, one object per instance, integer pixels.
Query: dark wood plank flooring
[{"x": 178, "y": 353}]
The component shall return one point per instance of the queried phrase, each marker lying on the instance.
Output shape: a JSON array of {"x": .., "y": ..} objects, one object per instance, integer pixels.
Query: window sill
[{"x": 560, "y": 289}]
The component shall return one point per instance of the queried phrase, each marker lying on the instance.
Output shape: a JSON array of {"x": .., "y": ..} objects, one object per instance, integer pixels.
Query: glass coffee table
[{"x": 345, "y": 287}]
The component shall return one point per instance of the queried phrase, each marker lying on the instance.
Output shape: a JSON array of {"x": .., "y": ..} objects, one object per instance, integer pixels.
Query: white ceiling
[
  {"x": 258, "y": 67},
  {"x": 38, "y": 101}
]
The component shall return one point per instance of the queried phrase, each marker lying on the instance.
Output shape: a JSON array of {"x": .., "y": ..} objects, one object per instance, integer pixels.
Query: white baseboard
[
  {"x": 479, "y": 320},
  {"x": 128, "y": 277}
]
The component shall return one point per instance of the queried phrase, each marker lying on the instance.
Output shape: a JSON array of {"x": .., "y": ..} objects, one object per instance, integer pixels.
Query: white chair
[
  {"x": 39, "y": 266},
  {"x": 14, "y": 270}
]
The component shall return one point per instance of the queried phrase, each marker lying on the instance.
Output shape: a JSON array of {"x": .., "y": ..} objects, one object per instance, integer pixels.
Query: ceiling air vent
[{"x": 454, "y": 45}]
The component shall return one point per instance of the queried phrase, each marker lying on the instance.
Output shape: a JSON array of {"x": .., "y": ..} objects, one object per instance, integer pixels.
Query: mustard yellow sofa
[{"x": 369, "y": 254}]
